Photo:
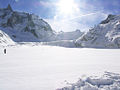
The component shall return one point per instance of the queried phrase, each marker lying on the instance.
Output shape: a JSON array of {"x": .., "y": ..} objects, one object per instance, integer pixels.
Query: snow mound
[{"x": 109, "y": 81}]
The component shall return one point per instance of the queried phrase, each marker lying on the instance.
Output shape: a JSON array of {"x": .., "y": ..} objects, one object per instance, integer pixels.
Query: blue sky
[{"x": 67, "y": 15}]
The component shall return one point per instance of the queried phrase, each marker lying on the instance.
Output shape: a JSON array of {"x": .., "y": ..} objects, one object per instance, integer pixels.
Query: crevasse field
[{"x": 47, "y": 67}]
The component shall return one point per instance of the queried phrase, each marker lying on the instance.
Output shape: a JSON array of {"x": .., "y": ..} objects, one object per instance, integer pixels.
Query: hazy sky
[{"x": 67, "y": 15}]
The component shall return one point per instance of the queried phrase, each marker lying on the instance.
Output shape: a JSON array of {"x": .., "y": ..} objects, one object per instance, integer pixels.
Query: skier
[{"x": 4, "y": 51}]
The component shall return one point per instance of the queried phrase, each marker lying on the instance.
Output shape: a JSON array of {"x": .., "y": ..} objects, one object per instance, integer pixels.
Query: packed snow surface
[{"x": 47, "y": 68}]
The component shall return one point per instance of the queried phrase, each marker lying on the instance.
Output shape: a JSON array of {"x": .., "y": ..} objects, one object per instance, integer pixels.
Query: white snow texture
[{"x": 109, "y": 81}]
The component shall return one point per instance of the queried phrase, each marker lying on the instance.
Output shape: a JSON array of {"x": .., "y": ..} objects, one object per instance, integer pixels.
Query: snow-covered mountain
[
  {"x": 104, "y": 35},
  {"x": 24, "y": 27},
  {"x": 65, "y": 39},
  {"x": 69, "y": 35},
  {"x": 5, "y": 39}
]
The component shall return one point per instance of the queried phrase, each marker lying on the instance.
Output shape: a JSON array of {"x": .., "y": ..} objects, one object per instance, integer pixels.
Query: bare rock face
[
  {"x": 9, "y": 7},
  {"x": 109, "y": 18}
]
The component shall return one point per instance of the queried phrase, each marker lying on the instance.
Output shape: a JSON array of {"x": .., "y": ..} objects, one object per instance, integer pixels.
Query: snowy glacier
[{"x": 29, "y": 67}]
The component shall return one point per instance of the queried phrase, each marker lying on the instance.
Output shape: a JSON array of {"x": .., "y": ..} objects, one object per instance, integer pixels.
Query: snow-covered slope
[
  {"x": 5, "y": 39},
  {"x": 24, "y": 27},
  {"x": 69, "y": 35},
  {"x": 104, "y": 35},
  {"x": 65, "y": 39}
]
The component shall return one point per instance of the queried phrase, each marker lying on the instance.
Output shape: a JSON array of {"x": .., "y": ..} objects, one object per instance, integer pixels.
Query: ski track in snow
[{"x": 47, "y": 67}]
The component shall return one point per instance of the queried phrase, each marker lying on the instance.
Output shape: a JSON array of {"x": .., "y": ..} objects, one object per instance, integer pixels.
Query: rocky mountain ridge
[
  {"x": 104, "y": 35},
  {"x": 25, "y": 27}
]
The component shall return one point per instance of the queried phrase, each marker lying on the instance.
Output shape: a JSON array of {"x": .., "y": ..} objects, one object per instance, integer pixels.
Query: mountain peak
[
  {"x": 104, "y": 35},
  {"x": 9, "y": 7},
  {"x": 109, "y": 18}
]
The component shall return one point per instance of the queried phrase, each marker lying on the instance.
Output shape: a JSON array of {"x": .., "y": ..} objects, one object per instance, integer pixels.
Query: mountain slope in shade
[{"x": 104, "y": 35}]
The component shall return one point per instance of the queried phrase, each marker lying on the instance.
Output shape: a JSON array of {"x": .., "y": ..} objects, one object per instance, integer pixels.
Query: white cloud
[
  {"x": 66, "y": 25},
  {"x": 82, "y": 22},
  {"x": 47, "y": 4},
  {"x": 82, "y": 17}
]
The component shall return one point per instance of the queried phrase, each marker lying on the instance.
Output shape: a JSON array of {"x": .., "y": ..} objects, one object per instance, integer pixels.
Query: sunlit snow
[{"x": 47, "y": 67}]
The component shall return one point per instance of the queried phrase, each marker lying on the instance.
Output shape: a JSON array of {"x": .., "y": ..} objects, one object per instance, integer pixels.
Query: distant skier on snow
[{"x": 5, "y": 51}]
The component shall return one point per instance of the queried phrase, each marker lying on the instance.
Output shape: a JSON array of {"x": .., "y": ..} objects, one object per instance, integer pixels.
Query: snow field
[{"x": 46, "y": 67}]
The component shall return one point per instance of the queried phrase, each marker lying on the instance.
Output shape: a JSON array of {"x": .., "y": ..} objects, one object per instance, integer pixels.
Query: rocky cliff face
[
  {"x": 24, "y": 27},
  {"x": 104, "y": 35}
]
